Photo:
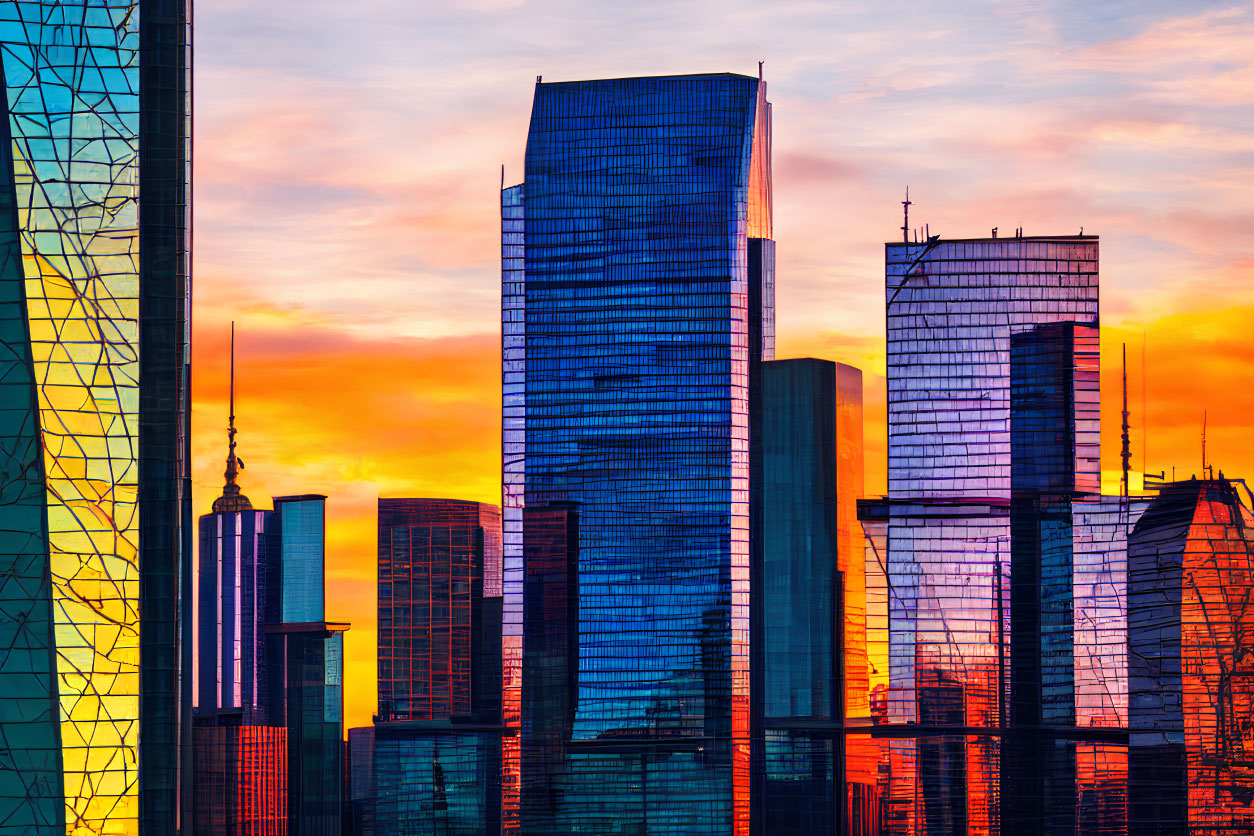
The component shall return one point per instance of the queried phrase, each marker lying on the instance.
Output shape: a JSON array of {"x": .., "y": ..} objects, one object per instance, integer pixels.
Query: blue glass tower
[
  {"x": 798, "y": 621},
  {"x": 638, "y": 304}
]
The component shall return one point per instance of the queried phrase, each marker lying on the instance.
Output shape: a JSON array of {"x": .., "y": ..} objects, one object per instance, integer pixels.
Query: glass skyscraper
[
  {"x": 268, "y": 727},
  {"x": 971, "y": 335},
  {"x": 431, "y": 763},
  {"x": 307, "y": 668},
  {"x": 1190, "y": 669},
  {"x": 96, "y": 499},
  {"x": 439, "y": 610},
  {"x": 638, "y": 272},
  {"x": 810, "y": 474}
]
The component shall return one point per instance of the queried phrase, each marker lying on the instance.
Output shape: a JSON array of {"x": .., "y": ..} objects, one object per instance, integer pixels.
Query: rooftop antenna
[
  {"x": 760, "y": 63},
  {"x": 231, "y": 499},
  {"x": 1144, "y": 410},
  {"x": 1203, "y": 444},
  {"x": 1126, "y": 452},
  {"x": 905, "y": 227}
]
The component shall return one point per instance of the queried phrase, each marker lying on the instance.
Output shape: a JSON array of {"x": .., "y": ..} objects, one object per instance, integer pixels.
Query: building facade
[
  {"x": 94, "y": 300},
  {"x": 439, "y": 610},
  {"x": 804, "y": 466},
  {"x": 432, "y": 761},
  {"x": 1190, "y": 673},
  {"x": 962, "y": 317},
  {"x": 638, "y": 270}
]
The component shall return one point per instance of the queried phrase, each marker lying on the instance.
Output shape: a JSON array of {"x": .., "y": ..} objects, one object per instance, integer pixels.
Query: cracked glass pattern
[
  {"x": 641, "y": 316},
  {"x": 71, "y": 77}
]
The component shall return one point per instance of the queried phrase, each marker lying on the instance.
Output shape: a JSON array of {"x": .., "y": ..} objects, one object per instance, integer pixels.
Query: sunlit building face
[{"x": 94, "y": 311}]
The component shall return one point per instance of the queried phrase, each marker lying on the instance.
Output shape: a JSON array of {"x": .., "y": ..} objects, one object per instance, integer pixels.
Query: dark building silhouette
[{"x": 798, "y": 627}]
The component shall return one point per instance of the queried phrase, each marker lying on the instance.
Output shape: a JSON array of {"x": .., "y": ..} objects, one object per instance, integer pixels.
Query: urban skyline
[
  {"x": 1126, "y": 121},
  {"x": 903, "y": 579}
]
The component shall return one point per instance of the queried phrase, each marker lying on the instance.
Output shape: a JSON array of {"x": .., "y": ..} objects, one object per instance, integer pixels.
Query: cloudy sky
[{"x": 348, "y": 159}]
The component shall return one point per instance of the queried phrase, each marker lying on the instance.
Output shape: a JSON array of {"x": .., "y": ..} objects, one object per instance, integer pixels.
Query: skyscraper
[
  {"x": 268, "y": 668},
  {"x": 239, "y": 768},
  {"x": 439, "y": 610},
  {"x": 94, "y": 296},
  {"x": 797, "y": 633},
  {"x": 952, "y": 308},
  {"x": 638, "y": 270},
  {"x": 1191, "y": 673},
  {"x": 307, "y": 668},
  {"x": 434, "y": 752}
]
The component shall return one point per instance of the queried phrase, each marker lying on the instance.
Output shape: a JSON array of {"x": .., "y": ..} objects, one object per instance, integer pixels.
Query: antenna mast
[
  {"x": 905, "y": 227},
  {"x": 1144, "y": 410},
  {"x": 1126, "y": 452},
  {"x": 1203, "y": 444}
]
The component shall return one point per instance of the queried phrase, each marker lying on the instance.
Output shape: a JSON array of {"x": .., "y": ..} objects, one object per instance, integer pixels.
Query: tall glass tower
[
  {"x": 638, "y": 291},
  {"x": 977, "y": 370},
  {"x": 95, "y": 499}
]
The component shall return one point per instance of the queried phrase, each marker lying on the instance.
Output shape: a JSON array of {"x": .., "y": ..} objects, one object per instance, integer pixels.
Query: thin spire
[
  {"x": 1126, "y": 453},
  {"x": 1205, "y": 465},
  {"x": 231, "y": 499}
]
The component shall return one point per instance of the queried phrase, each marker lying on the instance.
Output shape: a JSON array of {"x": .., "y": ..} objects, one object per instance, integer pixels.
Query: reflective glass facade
[
  {"x": 302, "y": 559},
  {"x": 637, "y": 304},
  {"x": 439, "y": 628},
  {"x": 797, "y": 625},
  {"x": 240, "y": 786},
  {"x": 97, "y": 505},
  {"x": 315, "y": 727},
  {"x": 432, "y": 763},
  {"x": 962, "y": 318},
  {"x": 1191, "y": 675},
  {"x": 234, "y": 588},
  {"x": 436, "y": 782}
]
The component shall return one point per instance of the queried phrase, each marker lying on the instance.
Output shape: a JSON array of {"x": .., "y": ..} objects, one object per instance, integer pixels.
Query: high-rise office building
[
  {"x": 801, "y": 462},
  {"x": 96, "y": 505},
  {"x": 431, "y": 763},
  {"x": 239, "y": 759},
  {"x": 1190, "y": 669},
  {"x": 962, "y": 316},
  {"x": 439, "y": 610},
  {"x": 306, "y": 668},
  {"x": 1064, "y": 752},
  {"x": 638, "y": 271}
]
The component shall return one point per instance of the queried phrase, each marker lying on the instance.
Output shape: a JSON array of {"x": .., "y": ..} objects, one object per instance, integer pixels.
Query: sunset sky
[{"x": 348, "y": 160}]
